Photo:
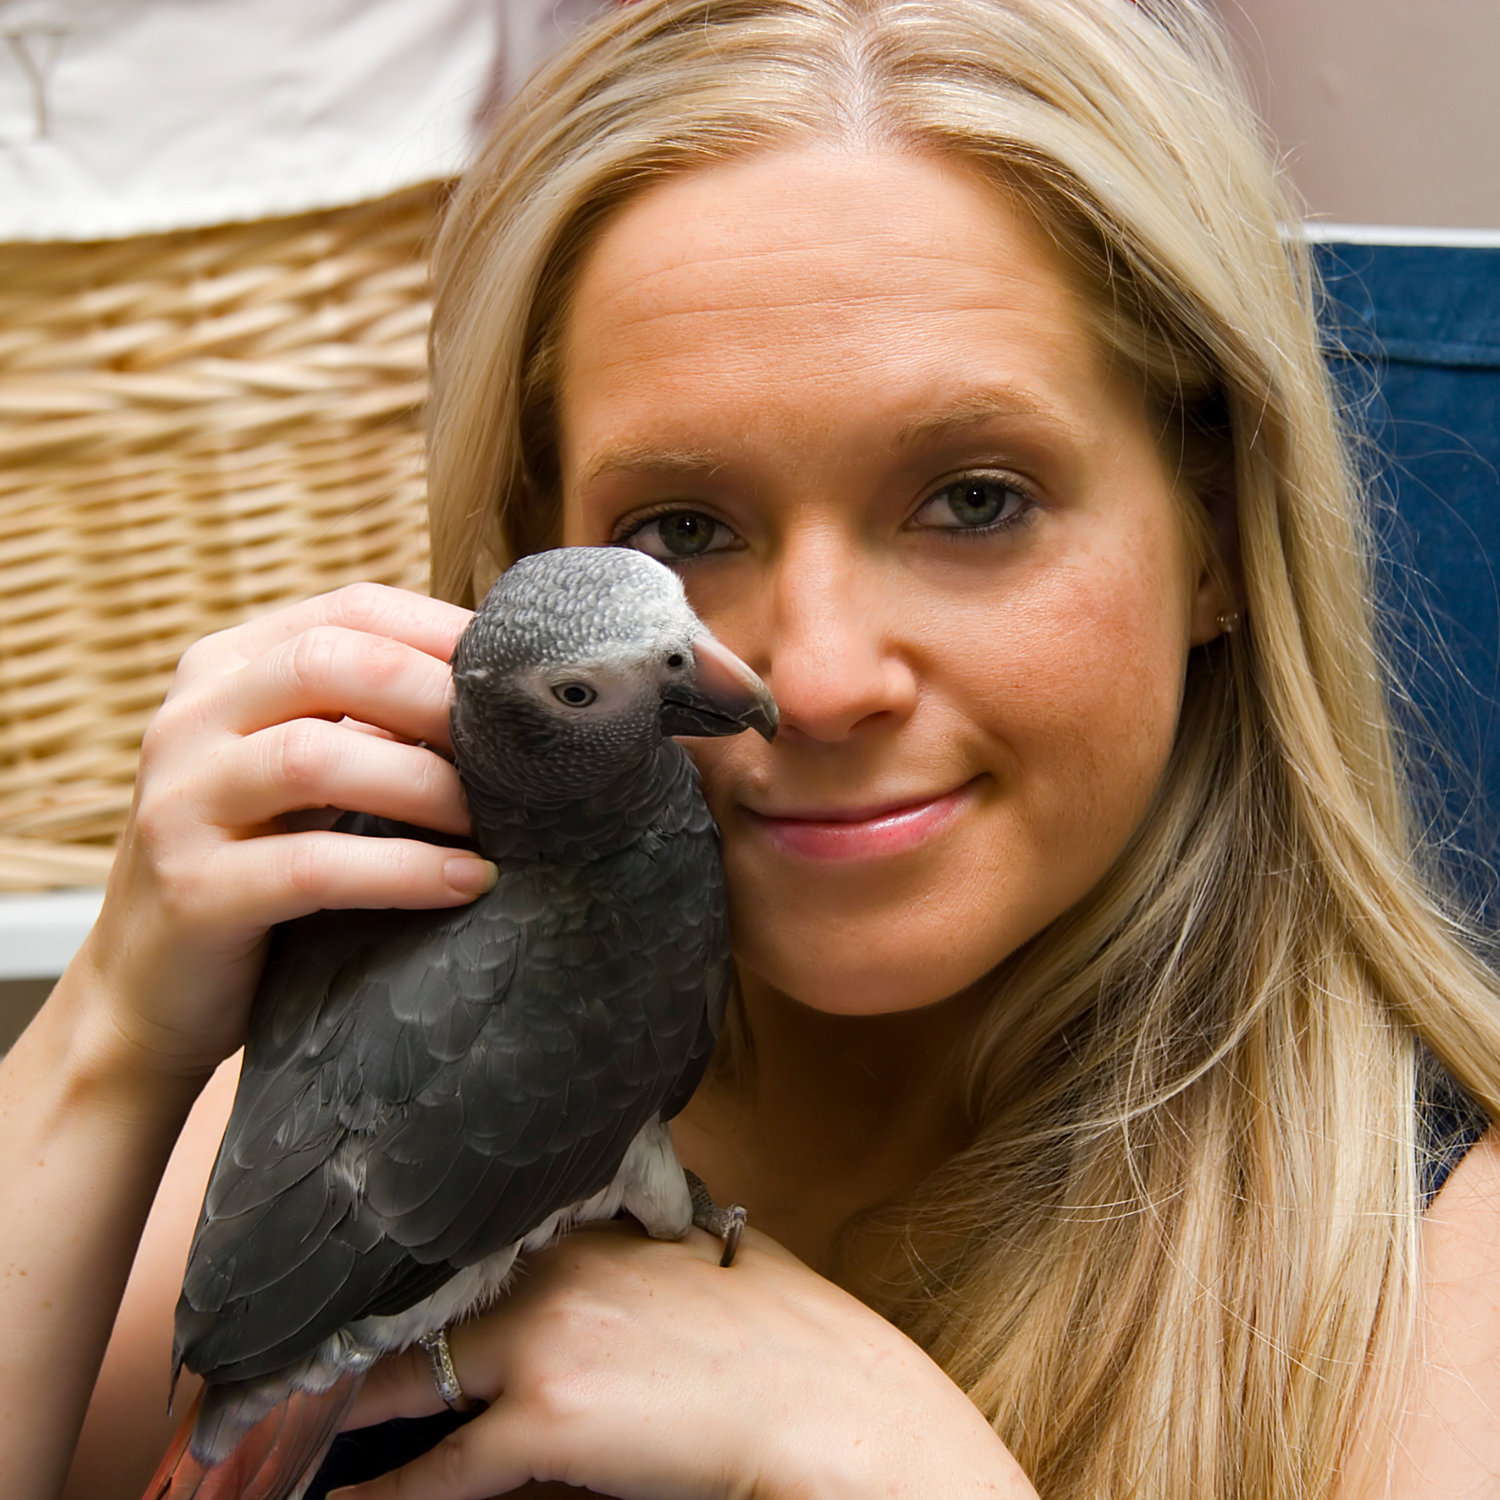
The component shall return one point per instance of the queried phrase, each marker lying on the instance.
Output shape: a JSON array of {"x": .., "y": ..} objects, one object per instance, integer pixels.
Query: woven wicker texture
[{"x": 193, "y": 428}]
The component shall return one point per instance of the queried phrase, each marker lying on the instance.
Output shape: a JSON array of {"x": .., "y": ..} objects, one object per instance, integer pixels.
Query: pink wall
[{"x": 1388, "y": 110}]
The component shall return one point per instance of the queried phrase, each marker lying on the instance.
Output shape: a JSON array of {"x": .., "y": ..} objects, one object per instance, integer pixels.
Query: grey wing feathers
[{"x": 422, "y": 1088}]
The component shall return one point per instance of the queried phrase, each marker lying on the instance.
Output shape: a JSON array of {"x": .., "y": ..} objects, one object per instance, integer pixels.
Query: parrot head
[{"x": 580, "y": 661}]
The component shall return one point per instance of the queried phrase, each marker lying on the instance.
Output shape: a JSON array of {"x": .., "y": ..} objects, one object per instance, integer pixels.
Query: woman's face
[{"x": 854, "y": 400}]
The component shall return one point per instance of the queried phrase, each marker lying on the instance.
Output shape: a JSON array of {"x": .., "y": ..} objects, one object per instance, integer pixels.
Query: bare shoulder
[
  {"x": 1449, "y": 1439},
  {"x": 128, "y": 1426}
]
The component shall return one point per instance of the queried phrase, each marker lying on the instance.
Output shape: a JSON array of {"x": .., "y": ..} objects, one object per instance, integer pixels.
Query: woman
[{"x": 1097, "y": 1022}]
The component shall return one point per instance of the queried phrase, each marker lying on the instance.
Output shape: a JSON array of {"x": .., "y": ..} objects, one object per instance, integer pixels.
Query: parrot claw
[{"x": 726, "y": 1224}]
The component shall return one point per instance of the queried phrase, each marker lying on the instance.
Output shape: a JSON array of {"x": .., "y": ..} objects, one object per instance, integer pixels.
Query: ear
[{"x": 1219, "y": 602}]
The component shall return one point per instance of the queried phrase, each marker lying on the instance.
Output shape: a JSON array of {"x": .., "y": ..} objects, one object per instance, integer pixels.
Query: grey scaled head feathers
[{"x": 575, "y": 667}]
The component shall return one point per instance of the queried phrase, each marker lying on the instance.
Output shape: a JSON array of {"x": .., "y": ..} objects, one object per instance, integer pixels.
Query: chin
[
  {"x": 900, "y": 937},
  {"x": 862, "y": 981}
]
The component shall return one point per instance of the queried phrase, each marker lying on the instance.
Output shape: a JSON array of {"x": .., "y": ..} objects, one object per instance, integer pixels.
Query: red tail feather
[{"x": 273, "y": 1461}]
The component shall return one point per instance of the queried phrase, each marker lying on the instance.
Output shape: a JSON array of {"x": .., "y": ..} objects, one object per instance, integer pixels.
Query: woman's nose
[{"x": 833, "y": 655}]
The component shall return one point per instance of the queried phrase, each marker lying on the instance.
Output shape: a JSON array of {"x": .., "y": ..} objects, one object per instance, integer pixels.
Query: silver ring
[{"x": 444, "y": 1376}]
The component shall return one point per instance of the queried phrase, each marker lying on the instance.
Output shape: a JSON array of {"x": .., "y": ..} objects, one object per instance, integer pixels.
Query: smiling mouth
[{"x": 861, "y": 833}]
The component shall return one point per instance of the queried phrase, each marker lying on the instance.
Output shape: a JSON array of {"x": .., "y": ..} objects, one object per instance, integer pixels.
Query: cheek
[
  {"x": 1084, "y": 687},
  {"x": 1062, "y": 697}
]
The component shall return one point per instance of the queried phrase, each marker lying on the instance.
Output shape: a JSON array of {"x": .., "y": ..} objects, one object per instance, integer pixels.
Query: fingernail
[{"x": 471, "y": 876}]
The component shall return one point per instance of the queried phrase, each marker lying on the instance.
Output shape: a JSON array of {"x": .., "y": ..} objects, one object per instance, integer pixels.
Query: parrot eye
[
  {"x": 675, "y": 659},
  {"x": 574, "y": 694}
]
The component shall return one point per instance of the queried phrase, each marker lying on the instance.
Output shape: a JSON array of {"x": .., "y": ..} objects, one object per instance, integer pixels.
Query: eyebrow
[
  {"x": 648, "y": 458},
  {"x": 969, "y": 410},
  {"x": 976, "y": 407}
]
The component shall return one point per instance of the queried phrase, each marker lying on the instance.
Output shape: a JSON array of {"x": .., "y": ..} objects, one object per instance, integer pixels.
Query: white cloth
[{"x": 124, "y": 117}]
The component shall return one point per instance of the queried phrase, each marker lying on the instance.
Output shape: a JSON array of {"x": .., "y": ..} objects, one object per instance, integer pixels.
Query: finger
[
  {"x": 400, "y": 1385},
  {"x": 278, "y": 877},
  {"x": 331, "y": 673},
  {"x": 310, "y": 763},
  {"x": 428, "y": 625}
]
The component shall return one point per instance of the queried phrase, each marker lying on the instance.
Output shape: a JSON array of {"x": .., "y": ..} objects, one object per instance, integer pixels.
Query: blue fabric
[
  {"x": 1449, "y": 1123},
  {"x": 1413, "y": 333}
]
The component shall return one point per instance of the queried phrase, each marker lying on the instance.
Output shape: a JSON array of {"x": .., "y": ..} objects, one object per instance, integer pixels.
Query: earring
[{"x": 1228, "y": 622}]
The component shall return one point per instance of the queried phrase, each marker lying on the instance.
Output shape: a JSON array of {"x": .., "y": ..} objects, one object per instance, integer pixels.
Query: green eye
[
  {"x": 977, "y": 504},
  {"x": 973, "y": 503},
  {"x": 679, "y": 534},
  {"x": 686, "y": 534}
]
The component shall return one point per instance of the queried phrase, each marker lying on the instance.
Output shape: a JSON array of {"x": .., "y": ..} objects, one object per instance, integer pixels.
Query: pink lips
[{"x": 864, "y": 833}]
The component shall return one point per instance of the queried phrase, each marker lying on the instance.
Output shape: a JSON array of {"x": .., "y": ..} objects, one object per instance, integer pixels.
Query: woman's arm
[
  {"x": 128, "y": 1426},
  {"x": 84, "y": 1135},
  {"x": 1447, "y": 1442},
  {"x": 265, "y": 720}
]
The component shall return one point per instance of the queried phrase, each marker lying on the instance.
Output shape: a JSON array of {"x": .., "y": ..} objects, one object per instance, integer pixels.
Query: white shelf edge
[
  {"x": 1319, "y": 233},
  {"x": 40, "y": 933}
]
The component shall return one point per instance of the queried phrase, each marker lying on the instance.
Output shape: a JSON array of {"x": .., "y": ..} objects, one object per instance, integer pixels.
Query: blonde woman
[{"x": 1101, "y": 1040}]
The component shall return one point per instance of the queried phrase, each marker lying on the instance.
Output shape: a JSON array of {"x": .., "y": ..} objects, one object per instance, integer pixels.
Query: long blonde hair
[{"x": 1180, "y": 1257}]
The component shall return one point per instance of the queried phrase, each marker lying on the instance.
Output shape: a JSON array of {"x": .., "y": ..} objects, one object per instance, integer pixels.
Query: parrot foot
[{"x": 726, "y": 1224}]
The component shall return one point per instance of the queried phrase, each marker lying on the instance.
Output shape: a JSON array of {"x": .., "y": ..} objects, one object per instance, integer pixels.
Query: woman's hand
[
  {"x": 319, "y": 705},
  {"x": 635, "y": 1368}
]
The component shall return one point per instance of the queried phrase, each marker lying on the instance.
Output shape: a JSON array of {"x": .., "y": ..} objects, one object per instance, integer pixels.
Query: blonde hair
[{"x": 1180, "y": 1257}]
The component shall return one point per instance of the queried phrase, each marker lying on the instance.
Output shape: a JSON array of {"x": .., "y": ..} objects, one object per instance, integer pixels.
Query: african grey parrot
[{"x": 426, "y": 1093}]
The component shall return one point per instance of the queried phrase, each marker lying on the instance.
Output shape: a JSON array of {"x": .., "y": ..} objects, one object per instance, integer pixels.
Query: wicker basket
[{"x": 193, "y": 428}]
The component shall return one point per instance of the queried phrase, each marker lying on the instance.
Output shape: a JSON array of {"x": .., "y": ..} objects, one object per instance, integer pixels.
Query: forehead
[
  {"x": 581, "y": 603},
  {"x": 775, "y": 290}
]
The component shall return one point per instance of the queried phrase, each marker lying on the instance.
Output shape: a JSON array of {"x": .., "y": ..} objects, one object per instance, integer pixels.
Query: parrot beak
[{"x": 722, "y": 697}]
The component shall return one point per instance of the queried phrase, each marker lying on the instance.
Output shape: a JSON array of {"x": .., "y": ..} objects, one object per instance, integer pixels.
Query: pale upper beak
[{"x": 720, "y": 696}]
